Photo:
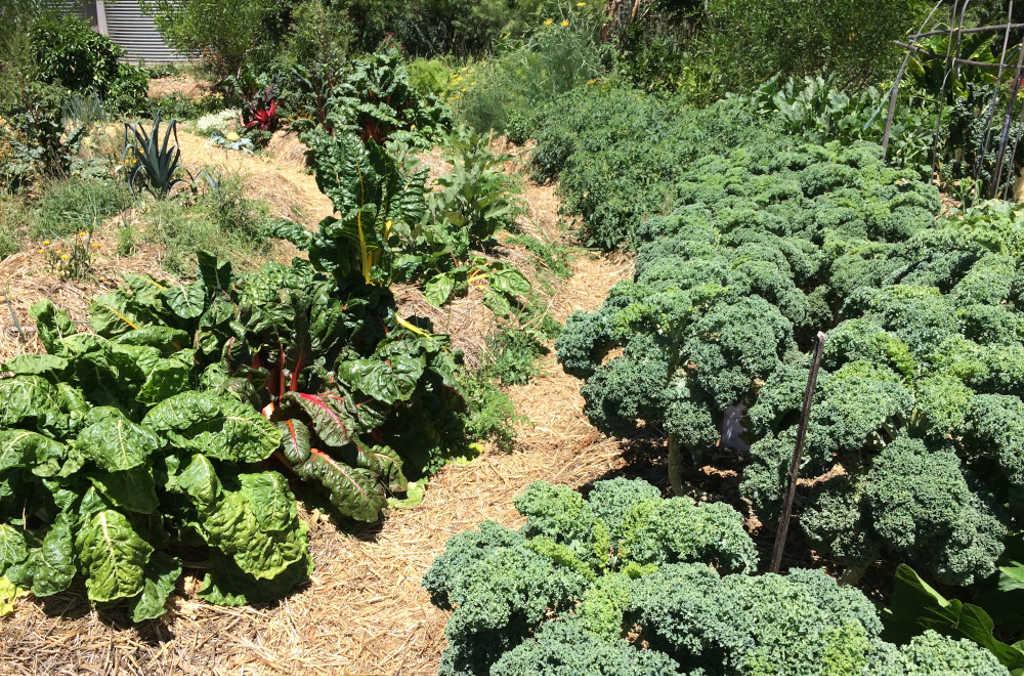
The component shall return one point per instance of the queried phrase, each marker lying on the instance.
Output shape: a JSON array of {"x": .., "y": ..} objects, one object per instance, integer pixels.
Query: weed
[
  {"x": 71, "y": 259},
  {"x": 220, "y": 220},
  {"x": 511, "y": 355},
  {"x": 549, "y": 255},
  {"x": 77, "y": 204},
  {"x": 490, "y": 414}
]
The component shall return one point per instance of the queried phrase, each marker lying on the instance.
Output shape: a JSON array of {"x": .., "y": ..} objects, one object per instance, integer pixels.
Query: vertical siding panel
[{"x": 137, "y": 34}]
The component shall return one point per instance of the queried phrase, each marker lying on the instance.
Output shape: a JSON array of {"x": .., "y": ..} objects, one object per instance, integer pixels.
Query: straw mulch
[{"x": 364, "y": 611}]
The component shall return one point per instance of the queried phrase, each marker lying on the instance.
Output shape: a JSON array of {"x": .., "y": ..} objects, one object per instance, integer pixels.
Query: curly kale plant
[
  {"x": 914, "y": 440},
  {"x": 625, "y": 582}
]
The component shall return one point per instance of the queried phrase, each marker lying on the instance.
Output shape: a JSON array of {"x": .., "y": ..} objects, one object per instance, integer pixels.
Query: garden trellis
[{"x": 1000, "y": 100}]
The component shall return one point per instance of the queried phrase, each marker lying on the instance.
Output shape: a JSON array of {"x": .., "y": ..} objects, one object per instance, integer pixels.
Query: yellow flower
[
  {"x": 565, "y": 23},
  {"x": 65, "y": 257},
  {"x": 83, "y": 233},
  {"x": 581, "y": 5},
  {"x": 95, "y": 245},
  {"x": 232, "y": 136},
  {"x": 46, "y": 242},
  {"x": 39, "y": 251},
  {"x": 548, "y": 22}
]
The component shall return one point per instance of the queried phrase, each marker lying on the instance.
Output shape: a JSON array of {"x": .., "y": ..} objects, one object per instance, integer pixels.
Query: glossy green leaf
[
  {"x": 160, "y": 578},
  {"x": 218, "y": 426},
  {"x": 439, "y": 289},
  {"x": 226, "y": 585},
  {"x": 112, "y": 555},
  {"x": 255, "y": 524},
  {"x": 330, "y": 414},
  {"x": 389, "y": 378},
  {"x": 187, "y": 300},
  {"x": 52, "y": 324},
  {"x": 916, "y": 606},
  {"x": 38, "y": 453},
  {"x": 132, "y": 490},
  {"x": 114, "y": 442},
  {"x": 35, "y": 364},
  {"x": 385, "y": 462}
]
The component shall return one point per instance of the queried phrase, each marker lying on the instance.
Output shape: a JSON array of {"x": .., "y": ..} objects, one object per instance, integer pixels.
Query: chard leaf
[
  {"x": 385, "y": 462},
  {"x": 113, "y": 556},
  {"x": 29, "y": 450},
  {"x": 187, "y": 301},
  {"x": 329, "y": 412},
  {"x": 49, "y": 568},
  {"x": 161, "y": 576},
  {"x": 226, "y": 585},
  {"x": 35, "y": 364},
  {"x": 28, "y": 398},
  {"x": 13, "y": 546},
  {"x": 164, "y": 338},
  {"x": 114, "y": 442},
  {"x": 255, "y": 524},
  {"x": 354, "y": 492},
  {"x": 133, "y": 490},
  {"x": 110, "y": 315},
  {"x": 388, "y": 377},
  {"x": 220, "y": 427},
  {"x": 509, "y": 282},
  {"x": 439, "y": 289},
  {"x": 9, "y": 595},
  {"x": 498, "y": 303},
  {"x": 52, "y": 325}
]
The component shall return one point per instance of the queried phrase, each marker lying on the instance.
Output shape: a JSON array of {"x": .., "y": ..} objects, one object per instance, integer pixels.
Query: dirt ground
[{"x": 364, "y": 611}]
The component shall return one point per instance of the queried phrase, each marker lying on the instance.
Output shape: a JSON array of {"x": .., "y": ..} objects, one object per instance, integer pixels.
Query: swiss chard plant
[{"x": 118, "y": 461}]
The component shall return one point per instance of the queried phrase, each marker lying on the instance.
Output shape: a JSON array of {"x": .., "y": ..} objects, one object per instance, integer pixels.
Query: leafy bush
[
  {"x": 741, "y": 45},
  {"x": 618, "y": 152},
  {"x": 628, "y": 582},
  {"x": 34, "y": 144},
  {"x": 915, "y": 401},
  {"x": 502, "y": 94},
  {"x": 68, "y": 53}
]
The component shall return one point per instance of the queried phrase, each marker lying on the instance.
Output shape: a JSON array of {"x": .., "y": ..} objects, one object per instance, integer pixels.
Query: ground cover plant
[{"x": 626, "y": 581}]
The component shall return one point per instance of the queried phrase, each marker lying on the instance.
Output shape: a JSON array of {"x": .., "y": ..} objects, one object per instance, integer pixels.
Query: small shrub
[
  {"x": 70, "y": 54},
  {"x": 553, "y": 60},
  {"x": 511, "y": 356}
]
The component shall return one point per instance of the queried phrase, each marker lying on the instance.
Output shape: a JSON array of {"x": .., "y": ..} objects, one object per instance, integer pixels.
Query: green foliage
[
  {"x": 504, "y": 93},
  {"x": 70, "y": 54},
  {"x": 505, "y": 584},
  {"x": 227, "y": 34},
  {"x": 34, "y": 143},
  {"x": 156, "y": 162},
  {"x": 916, "y": 606},
  {"x": 76, "y": 205},
  {"x": 221, "y": 220},
  {"x": 916, "y": 401},
  {"x": 510, "y": 356},
  {"x": 741, "y": 45},
  {"x": 619, "y": 152},
  {"x": 627, "y": 582},
  {"x": 113, "y": 463}
]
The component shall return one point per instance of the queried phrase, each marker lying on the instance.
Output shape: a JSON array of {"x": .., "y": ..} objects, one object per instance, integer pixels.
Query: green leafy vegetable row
[
  {"x": 914, "y": 441},
  {"x": 626, "y": 582}
]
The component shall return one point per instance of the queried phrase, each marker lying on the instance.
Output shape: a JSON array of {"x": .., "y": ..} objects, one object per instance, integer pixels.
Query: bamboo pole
[{"x": 794, "y": 465}]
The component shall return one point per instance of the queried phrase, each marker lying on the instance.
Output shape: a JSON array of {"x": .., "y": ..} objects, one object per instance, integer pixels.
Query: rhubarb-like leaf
[
  {"x": 133, "y": 490},
  {"x": 187, "y": 301},
  {"x": 36, "y": 365},
  {"x": 28, "y": 398},
  {"x": 354, "y": 492},
  {"x": 49, "y": 568},
  {"x": 112, "y": 555},
  {"x": 226, "y": 585}
]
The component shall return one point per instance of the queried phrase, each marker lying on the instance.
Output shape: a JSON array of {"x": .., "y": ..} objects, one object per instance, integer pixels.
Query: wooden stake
[{"x": 794, "y": 465}]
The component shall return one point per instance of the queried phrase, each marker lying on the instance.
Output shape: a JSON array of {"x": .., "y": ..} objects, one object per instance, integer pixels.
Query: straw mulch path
[{"x": 364, "y": 611}]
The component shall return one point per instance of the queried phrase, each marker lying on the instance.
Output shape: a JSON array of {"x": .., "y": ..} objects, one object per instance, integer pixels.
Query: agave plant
[{"x": 156, "y": 162}]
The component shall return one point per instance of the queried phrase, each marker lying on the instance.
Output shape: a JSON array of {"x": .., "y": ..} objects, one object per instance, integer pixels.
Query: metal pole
[{"x": 794, "y": 465}]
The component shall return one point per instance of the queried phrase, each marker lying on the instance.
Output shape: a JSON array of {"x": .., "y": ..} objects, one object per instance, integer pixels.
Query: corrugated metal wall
[{"x": 137, "y": 34}]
